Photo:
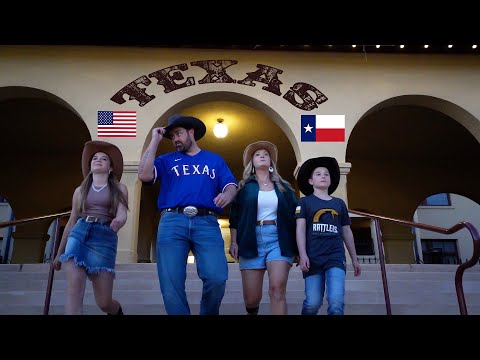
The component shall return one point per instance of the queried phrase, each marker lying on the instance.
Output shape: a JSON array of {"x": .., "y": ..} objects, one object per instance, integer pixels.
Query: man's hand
[
  {"x": 223, "y": 199},
  {"x": 226, "y": 197},
  {"x": 157, "y": 134}
]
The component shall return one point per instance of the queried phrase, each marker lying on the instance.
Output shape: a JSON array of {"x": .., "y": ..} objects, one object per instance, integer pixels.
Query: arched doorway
[
  {"x": 404, "y": 149},
  {"x": 6, "y": 238},
  {"x": 42, "y": 141},
  {"x": 445, "y": 210},
  {"x": 249, "y": 120}
]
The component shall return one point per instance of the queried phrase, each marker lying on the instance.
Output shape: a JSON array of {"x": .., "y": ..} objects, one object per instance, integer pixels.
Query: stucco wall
[{"x": 86, "y": 78}]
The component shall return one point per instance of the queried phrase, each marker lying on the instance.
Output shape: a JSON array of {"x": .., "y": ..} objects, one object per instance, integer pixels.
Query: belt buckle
[
  {"x": 190, "y": 211},
  {"x": 90, "y": 217}
]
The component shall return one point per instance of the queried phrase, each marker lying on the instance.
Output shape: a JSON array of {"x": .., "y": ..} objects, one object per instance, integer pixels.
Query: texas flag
[{"x": 323, "y": 128}]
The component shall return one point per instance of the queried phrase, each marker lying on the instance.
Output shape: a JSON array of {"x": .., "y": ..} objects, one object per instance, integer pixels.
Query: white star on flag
[{"x": 308, "y": 128}]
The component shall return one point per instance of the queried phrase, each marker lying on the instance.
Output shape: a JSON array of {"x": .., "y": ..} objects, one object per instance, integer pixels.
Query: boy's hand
[
  {"x": 356, "y": 268},
  {"x": 304, "y": 263}
]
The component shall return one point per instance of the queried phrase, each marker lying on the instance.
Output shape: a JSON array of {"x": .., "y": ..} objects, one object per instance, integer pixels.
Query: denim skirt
[
  {"x": 93, "y": 246},
  {"x": 268, "y": 249}
]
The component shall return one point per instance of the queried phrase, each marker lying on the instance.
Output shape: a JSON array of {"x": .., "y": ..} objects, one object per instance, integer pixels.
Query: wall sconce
[{"x": 220, "y": 129}]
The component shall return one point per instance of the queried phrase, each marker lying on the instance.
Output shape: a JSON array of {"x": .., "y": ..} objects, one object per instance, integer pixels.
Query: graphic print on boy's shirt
[{"x": 325, "y": 227}]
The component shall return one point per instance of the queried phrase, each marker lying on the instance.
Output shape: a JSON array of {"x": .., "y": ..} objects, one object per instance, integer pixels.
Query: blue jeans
[
  {"x": 177, "y": 235},
  {"x": 334, "y": 279}
]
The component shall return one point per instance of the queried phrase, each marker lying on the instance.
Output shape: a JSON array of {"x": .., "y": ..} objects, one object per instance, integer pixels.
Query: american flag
[{"x": 117, "y": 124}]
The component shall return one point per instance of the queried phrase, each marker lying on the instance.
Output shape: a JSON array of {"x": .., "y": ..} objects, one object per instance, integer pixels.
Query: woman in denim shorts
[
  {"x": 262, "y": 228},
  {"x": 89, "y": 242}
]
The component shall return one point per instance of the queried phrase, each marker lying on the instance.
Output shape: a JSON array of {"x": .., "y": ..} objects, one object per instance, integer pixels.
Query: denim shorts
[
  {"x": 93, "y": 246},
  {"x": 268, "y": 249}
]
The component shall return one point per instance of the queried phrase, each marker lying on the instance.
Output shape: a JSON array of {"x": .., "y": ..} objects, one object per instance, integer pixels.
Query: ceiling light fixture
[{"x": 220, "y": 130}]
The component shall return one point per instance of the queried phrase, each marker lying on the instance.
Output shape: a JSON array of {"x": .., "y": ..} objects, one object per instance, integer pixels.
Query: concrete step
[
  {"x": 234, "y": 266},
  {"x": 195, "y": 284},
  {"x": 370, "y": 272},
  {"x": 414, "y": 289},
  {"x": 9, "y": 298},
  {"x": 237, "y": 309}
]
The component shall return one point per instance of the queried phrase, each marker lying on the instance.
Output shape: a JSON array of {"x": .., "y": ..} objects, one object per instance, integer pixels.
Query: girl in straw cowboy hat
[
  {"x": 88, "y": 247},
  {"x": 262, "y": 227}
]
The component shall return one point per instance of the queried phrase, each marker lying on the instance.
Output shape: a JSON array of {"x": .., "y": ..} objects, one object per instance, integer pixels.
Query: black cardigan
[{"x": 243, "y": 217}]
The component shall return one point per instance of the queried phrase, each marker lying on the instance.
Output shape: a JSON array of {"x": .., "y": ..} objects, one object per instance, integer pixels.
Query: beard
[{"x": 184, "y": 146}]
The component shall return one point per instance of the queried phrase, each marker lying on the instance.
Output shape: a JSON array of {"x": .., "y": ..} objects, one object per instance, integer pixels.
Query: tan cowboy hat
[
  {"x": 267, "y": 145},
  {"x": 186, "y": 122},
  {"x": 307, "y": 168},
  {"x": 92, "y": 147}
]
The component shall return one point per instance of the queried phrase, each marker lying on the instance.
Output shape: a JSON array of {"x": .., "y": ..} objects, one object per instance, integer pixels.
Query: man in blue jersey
[{"x": 195, "y": 186}]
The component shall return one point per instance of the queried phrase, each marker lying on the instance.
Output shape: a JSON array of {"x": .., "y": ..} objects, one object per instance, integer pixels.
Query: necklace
[{"x": 98, "y": 190}]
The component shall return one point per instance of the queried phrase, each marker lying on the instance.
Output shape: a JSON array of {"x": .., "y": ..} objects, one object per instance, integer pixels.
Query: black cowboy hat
[
  {"x": 310, "y": 165},
  {"x": 186, "y": 122}
]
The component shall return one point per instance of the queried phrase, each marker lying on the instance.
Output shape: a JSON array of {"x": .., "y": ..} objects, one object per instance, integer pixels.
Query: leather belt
[
  {"x": 191, "y": 211},
  {"x": 95, "y": 219},
  {"x": 266, "y": 222}
]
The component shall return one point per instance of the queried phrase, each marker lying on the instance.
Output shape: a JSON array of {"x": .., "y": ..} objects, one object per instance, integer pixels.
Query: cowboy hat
[
  {"x": 310, "y": 165},
  {"x": 92, "y": 147},
  {"x": 186, "y": 122},
  {"x": 267, "y": 145}
]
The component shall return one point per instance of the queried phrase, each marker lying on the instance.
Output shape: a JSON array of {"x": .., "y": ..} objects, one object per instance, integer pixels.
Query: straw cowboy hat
[
  {"x": 267, "y": 145},
  {"x": 113, "y": 152},
  {"x": 186, "y": 122},
  {"x": 307, "y": 168}
]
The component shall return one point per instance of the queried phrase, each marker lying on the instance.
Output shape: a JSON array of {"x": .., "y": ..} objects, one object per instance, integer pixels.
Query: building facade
[
  {"x": 445, "y": 210},
  {"x": 411, "y": 126}
]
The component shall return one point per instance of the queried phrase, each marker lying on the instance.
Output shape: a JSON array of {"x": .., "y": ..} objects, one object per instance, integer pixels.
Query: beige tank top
[{"x": 97, "y": 203}]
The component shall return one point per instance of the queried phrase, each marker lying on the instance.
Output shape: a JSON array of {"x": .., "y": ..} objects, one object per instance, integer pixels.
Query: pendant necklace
[{"x": 98, "y": 190}]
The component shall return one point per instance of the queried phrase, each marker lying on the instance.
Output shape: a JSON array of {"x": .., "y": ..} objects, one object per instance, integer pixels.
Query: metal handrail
[
  {"x": 458, "y": 275},
  {"x": 34, "y": 219},
  {"x": 461, "y": 268},
  {"x": 381, "y": 255},
  {"x": 56, "y": 244}
]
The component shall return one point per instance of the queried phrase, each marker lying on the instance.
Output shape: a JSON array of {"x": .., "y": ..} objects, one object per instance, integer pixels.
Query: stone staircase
[{"x": 414, "y": 290}]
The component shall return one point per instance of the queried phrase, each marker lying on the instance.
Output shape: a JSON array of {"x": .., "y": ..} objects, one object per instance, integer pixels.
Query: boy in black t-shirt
[{"x": 323, "y": 225}]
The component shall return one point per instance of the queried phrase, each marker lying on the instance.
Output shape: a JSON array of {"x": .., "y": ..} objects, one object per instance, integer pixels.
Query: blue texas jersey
[{"x": 191, "y": 180}]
